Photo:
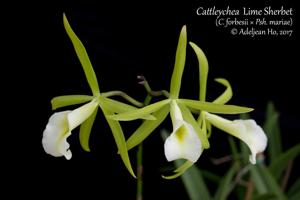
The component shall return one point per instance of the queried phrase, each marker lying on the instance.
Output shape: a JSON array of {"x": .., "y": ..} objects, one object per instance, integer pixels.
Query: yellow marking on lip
[{"x": 181, "y": 133}]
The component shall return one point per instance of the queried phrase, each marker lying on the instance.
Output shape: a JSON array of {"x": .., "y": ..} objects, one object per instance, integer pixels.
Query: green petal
[
  {"x": 226, "y": 95},
  {"x": 203, "y": 70},
  {"x": 209, "y": 128},
  {"x": 148, "y": 127},
  {"x": 188, "y": 117},
  {"x": 67, "y": 100},
  {"x": 214, "y": 108},
  {"x": 179, "y": 64},
  {"x": 85, "y": 131},
  {"x": 119, "y": 107},
  {"x": 83, "y": 57},
  {"x": 119, "y": 139},
  {"x": 140, "y": 113},
  {"x": 180, "y": 170}
]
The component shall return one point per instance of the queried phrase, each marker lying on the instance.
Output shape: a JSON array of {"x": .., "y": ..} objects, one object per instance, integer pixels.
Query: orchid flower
[
  {"x": 62, "y": 123},
  {"x": 246, "y": 130},
  {"x": 188, "y": 139}
]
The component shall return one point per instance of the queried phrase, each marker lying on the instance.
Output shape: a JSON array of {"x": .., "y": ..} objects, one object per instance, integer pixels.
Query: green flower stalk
[{"x": 189, "y": 137}]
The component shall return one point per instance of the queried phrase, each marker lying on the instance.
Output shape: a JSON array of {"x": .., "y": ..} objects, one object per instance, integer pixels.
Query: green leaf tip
[{"x": 83, "y": 57}]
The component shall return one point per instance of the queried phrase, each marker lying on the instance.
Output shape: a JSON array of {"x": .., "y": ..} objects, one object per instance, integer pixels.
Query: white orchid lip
[
  {"x": 183, "y": 141},
  {"x": 246, "y": 130},
  {"x": 60, "y": 126},
  {"x": 55, "y": 135}
]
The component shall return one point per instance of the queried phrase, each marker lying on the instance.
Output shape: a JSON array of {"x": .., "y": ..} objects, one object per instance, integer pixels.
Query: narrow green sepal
[
  {"x": 147, "y": 127},
  {"x": 140, "y": 113},
  {"x": 203, "y": 70},
  {"x": 83, "y": 57},
  {"x": 68, "y": 100},
  {"x": 119, "y": 107},
  {"x": 214, "y": 108},
  {"x": 179, "y": 64},
  {"x": 119, "y": 139}
]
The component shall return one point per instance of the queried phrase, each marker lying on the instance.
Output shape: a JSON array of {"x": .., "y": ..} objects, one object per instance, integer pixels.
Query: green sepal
[
  {"x": 68, "y": 100},
  {"x": 214, "y": 108},
  {"x": 119, "y": 139},
  {"x": 119, "y": 107},
  {"x": 140, "y": 113},
  {"x": 83, "y": 57},
  {"x": 147, "y": 127},
  {"x": 203, "y": 70},
  {"x": 179, "y": 64}
]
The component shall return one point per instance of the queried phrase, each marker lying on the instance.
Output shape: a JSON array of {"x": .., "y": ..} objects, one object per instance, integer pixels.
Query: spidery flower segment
[
  {"x": 190, "y": 135},
  {"x": 192, "y": 119},
  {"x": 62, "y": 123}
]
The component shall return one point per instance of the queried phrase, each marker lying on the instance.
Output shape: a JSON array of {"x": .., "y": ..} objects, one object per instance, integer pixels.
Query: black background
[{"x": 124, "y": 40}]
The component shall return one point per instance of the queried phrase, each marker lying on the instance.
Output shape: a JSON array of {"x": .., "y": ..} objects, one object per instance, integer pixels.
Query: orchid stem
[
  {"x": 124, "y": 96},
  {"x": 139, "y": 155},
  {"x": 139, "y": 193},
  {"x": 152, "y": 93}
]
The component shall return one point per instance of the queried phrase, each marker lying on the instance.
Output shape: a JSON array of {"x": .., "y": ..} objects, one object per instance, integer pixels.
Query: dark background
[{"x": 123, "y": 41}]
